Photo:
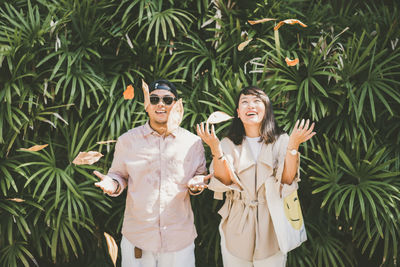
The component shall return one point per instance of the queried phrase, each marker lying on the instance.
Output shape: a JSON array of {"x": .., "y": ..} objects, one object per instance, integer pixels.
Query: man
[{"x": 158, "y": 166}]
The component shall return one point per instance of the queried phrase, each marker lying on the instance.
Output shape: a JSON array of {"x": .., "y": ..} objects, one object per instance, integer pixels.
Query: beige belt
[{"x": 249, "y": 204}]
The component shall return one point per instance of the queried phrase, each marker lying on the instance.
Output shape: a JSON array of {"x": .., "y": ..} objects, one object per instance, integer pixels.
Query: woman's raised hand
[
  {"x": 208, "y": 137},
  {"x": 302, "y": 132}
]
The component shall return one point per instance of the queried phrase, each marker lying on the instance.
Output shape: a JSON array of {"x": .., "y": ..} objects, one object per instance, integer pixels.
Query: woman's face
[{"x": 251, "y": 110}]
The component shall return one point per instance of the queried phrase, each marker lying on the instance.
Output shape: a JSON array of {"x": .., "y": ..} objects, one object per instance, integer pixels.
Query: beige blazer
[{"x": 246, "y": 221}]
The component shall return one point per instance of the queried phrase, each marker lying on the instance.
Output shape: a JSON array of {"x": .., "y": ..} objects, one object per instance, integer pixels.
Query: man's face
[{"x": 159, "y": 112}]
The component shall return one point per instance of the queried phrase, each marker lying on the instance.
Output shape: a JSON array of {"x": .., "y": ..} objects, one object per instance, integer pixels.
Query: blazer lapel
[
  {"x": 266, "y": 160},
  {"x": 246, "y": 157}
]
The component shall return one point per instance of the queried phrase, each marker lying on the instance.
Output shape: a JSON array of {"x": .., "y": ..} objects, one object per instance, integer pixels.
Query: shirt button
[{"x": 164, "y": 227}]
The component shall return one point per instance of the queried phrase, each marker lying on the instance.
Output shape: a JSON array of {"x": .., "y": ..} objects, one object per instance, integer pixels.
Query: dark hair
[
  {"x": 163, "y": 85},
  {"x": 269, "y": 129}
]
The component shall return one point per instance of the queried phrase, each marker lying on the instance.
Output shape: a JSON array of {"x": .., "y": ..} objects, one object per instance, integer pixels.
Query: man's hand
[
  {"x": 199, "y": 182},
  {"x": 107, "y": 184}
]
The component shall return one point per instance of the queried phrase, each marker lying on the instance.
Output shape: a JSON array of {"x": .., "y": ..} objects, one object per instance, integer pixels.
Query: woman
[{"x": 254, "y": 151}]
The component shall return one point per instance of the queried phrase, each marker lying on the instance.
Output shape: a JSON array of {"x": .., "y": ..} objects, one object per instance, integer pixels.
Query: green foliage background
[{"x": 64, "y": 65}]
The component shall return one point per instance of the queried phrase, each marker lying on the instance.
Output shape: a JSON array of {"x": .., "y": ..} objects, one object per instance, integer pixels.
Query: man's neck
[{"x": 158, "y": 127}]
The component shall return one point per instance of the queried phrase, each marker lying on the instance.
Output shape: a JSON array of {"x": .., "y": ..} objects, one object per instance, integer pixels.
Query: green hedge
[{"x": 64, "y": 65}]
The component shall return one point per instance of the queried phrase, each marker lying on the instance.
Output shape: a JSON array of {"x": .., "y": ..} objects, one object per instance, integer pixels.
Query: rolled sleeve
[
  {"x": 219, "y": 188},
  {"x": 215, "y": 184},
  {"x": 282, "y": 145},
  {"x": 118, "y": 170},
  {"x": 201, "y": 159}
]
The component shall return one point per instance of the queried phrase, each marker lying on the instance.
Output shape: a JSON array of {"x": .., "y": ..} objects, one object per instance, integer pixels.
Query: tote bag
[{"x": 286, "y": 215}]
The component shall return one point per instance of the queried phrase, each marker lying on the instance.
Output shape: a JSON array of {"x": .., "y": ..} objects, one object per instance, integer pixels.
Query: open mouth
[
  {"x": 251, "y": 113},
  {"x": 160, "y": 112}
]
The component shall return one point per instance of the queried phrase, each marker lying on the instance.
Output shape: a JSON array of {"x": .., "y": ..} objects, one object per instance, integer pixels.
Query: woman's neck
[{"x": 252, "y": 130}]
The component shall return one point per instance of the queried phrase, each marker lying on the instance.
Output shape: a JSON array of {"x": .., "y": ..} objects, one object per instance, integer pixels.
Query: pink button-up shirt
[{"x": 158, "y": 215}]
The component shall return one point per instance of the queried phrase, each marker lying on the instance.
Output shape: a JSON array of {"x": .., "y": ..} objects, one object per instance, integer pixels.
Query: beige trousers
[
  {"x": 181, "y": 258},
  {"x": 229, "y": 260}
]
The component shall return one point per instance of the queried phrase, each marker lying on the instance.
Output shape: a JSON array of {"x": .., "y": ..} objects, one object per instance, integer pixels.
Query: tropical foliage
[{"x": 65, "y": 64}]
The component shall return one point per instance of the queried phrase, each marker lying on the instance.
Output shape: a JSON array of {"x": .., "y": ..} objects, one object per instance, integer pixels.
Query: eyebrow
[{"x": 246, "y": 97}]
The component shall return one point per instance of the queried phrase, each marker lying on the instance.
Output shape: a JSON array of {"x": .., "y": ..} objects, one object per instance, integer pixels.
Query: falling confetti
[
  {"x": 35, "y": 148},
  {"x": 112, "y": 247},
  {"x": 242, "y": 45},
  {"x": 289, "y": 21},
  {"x": 252, "y": 22},
  {"x": 171, "y": 47},
  {"x": 128, "y": 40},
  {"x": 129, "y": 93},
  {"x": 217, "y": 117},
  {"x": 146, "y": 94},
  {"x": 175, "y": 116},
  {"x": 16, "y": 200},
  {"x": 291, "y": 62},
  {"x": 106, "y": 142},
  {"x": 87, "y": 158}
]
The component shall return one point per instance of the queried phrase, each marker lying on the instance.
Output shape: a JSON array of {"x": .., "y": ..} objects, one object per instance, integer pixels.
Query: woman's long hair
[{"x": 269, "y": 131}]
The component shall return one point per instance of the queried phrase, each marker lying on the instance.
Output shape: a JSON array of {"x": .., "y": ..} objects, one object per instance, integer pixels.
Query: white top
[{"x": 255, "y": 146}]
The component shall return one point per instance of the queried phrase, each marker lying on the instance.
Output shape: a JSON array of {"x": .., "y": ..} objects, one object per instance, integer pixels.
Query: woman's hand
[
  {"x": 209, "y": 138},
  {"x": 301, "y": 133}
]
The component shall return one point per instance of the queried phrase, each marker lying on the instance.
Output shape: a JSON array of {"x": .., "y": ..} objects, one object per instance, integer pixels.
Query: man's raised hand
[
  {"x": 106, "y": 183},
  {"x": 199, "y": 182}
]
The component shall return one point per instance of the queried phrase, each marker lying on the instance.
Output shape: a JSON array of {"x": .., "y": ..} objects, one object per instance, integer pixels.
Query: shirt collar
[{"x": 148, "y": 130}]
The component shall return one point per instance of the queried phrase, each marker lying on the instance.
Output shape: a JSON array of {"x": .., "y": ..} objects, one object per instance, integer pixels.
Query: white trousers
[
  {"x": 181, "y": 258},
  {"x": 276, "y": 260}
]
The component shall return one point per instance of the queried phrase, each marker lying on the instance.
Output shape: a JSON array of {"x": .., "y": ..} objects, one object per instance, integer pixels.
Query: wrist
[
  {"x": 118, "y": 186},
  {"x": 217, "y": 153},
  {"x": 293, "y": 152},
  {"x": 293, "y": 145}
]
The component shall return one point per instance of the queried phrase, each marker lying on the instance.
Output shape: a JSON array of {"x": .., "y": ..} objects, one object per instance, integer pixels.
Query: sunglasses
[{"x": 167, "y": 100}]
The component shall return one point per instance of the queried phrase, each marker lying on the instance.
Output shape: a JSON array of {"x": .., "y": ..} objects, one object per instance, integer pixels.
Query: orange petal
[
  {"x": 129, "y": 92},
  {"x": 291, "y": 62},
  {"x": 146, "y": 94},
  {"x": 252, "y": 22},
  {"x": 35, "y": 148},
  {"x": 171, "y": 47},
  {"x": 217, "y": 117},
  {"x": 242, "y": 45},
  {"x": 294, "y": 21},
  {"x": 289, "y": 21},
  {"x": 278, "y": 25},
  {"x": 112, "y": 247},
  {"x": 87, "y": 158},
  {"x": 175, "y": 116}
]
